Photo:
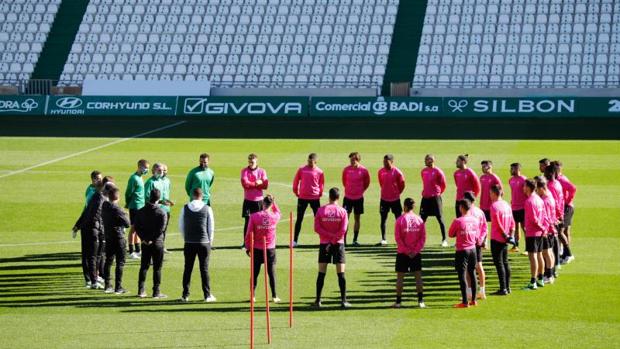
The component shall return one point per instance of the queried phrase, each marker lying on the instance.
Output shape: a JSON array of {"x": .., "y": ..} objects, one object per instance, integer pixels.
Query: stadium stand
[
  {"x": 252, "y": 43},
  {"x": 519, "y": 43},
  {"x": 25, "y": 26}
]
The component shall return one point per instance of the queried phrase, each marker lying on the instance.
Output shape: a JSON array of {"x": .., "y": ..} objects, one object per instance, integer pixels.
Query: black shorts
[
  {"x": 478, "y": 254},
  {"x": 132, "y": 215},
  {"x": 386, "y": 206},
  {"x": 431, "y": 207},
  {"x": 487, "y": 215},
  {"x": 250, "y": 207},
  {"x": 334, "y": 255},
  {"x": 457, "y": 210},
  {"x": 406, "y": 264},
  {"x": 533, "y": 244},
  {"x": 356, "y": 206},
  {"x": 302, "y": 205},
  {"x": 569, "y": 211},
  {"x": 271, "y": 256},
  {"x": 519, "y": 216},
  {"x": 548, "y": 242}
]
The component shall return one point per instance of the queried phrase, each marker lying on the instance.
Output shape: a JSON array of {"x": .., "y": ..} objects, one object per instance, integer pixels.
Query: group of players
[{"x": 541, "y": 207}]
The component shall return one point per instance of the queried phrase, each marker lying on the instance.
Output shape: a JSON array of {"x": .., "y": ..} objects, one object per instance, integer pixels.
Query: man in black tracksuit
[
  {"x": 90, "y": 225},
  {"x": 196, "y": 225},
  {"x": 115, "y": 221},
  {"x": 150, "y": 225}
]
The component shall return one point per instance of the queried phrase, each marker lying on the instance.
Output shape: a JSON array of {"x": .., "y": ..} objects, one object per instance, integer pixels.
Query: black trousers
[
  {"x": 465, "y": 262},
  {"x": 90, "y": 245},
  {"x": 269, "y": 266},
  {"x": 101, "y": 253},
  {"x": 115, "y": 248},
  {"x": 499, "y": 251},
  {"x": 302, "y": 205},
  {"x": 154, "y": 252},
  {"x": 191, "y": 250}
]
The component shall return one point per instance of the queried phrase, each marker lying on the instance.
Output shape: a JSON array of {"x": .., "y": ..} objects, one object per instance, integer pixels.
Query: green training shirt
[
  {"x": 163, "y": 185},
  {"x": 200, "y": 178},
  {"x": 90, "y": 191},
  {"x": 134, "y": 195}
]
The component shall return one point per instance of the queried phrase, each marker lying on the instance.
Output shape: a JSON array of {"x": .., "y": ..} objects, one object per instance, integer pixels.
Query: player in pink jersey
[
  {"x": 308, "y": 187},
  {"x": 465, "y": 179},
  {"x": 517, "y": 200},
  {"x": 254, "y": 181},
  {"x": 433, "y": 186},
  {"x": 355, "y": 179},
  {"x": 487, "y": 180},
  {"x": 543, "y": 163},
  {"x": 410, "y": 237},
  {"x": 331, "y": 223},
  {"x": 392, "y": 183},
  {"x": 466, "y": 230},
  {"x": 263, "y": 226},
  {"x": 569, "y": 190},
  {"x": 502, "y": 232},
  {"x": 534, "y": 231},
  {"x": 480, "y": 242},
  {"x": 556, "y": 190},
  {"x": 551, "y": 221}
]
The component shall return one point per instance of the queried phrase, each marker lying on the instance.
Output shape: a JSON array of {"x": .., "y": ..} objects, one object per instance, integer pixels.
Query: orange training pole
[
  {"x": 252, "y": 290},
  {"x": 266, "y": 292},
  {"x": 290, "y": 276}
]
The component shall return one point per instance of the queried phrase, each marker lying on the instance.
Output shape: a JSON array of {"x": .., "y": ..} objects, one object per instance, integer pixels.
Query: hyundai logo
[{"x": 69, "y": 103}]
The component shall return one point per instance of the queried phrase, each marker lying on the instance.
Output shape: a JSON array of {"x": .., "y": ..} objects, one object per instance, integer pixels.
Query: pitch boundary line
[{"x": 92, "y": 149}]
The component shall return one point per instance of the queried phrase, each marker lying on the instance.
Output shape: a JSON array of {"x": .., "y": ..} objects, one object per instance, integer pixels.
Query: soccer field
[{"x": 43, "y": 302}]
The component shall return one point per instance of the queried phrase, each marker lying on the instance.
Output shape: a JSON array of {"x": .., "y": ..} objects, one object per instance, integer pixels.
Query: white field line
[
  {"x": 91, "y": 149},
  {"x": 77, "y": 239}
]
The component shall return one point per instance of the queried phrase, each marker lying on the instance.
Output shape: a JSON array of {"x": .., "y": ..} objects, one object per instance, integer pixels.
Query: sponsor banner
[
  {"x": 22, "y": 105},
  {"x": 556, "y": 106},
  {"x": 376, "y": 106},
  {"x": 242, "y": 106},
  {"x": 110, "y": 106}
]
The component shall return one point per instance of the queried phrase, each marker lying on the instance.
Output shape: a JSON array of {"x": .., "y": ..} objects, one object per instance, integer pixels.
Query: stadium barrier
[{"x": 380, "y": 107}]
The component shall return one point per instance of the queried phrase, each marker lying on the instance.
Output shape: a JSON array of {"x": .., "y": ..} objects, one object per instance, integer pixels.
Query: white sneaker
[
  {"x": 422, "y": 305},
  {"x": 210, "y": 299},
  {"x": 444, "y": 243},
  {"x": 295, "y": 244},
  {"x": 100, "y": 279},
  {"x": 87, "y": 284},
  {"x": 134, "y": 255},
  {"x": 96, "y": 286},
  {"x": 396, "y": 305},
  {"x": 383, "y": 242},
  {"x": 109, "y": 290},
  {"x": 276, "y": 300},
  {"x": 184, "y": 299},
  {"x": 570, "y": 259}
]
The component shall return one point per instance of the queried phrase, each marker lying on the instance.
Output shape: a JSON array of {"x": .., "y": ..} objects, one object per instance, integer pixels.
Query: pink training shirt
[
  {"x": 555, "y": 188},
  {"x": 355, "y": 181},
  {"x": 487, "y": 181},
  {"x": 409, "y": 234},
  {"x": 550, "y": 214},
  {"x": 482, "y": 224},
  {"x": 465, "y": 229},
  {"x": 263, "y": 225},
  {"x": 331, "y": 224},
  {"x": 251, "y": 190},
  {"x": 433, "y": 182},
  {"x": 534, "y": 216},
  {"x": 308, "y": 183},
  {"x": 568, "y": 188},
  {"x": 392, "y": 183},
  {"x": 466, "y": 180},
  {"x": 501, "y": 220},
  {"x": 517, "y": 197}
]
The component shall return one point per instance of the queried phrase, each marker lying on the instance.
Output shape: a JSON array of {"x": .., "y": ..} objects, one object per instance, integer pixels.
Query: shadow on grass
[{"x": 41, "y": 282}]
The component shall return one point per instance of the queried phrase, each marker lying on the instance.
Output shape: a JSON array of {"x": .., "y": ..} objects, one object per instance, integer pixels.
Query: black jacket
[
  {"x": 150, "y": 223},
  {"x": 114, "y": 221},
  {"x": 90, "y": 220}
]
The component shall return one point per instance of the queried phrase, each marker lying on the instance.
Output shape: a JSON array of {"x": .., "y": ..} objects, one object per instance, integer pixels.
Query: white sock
[{"x": 482, "y": 290}]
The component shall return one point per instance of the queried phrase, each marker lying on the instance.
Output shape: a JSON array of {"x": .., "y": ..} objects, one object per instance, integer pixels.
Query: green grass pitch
[{"x": 43, "y": 302}]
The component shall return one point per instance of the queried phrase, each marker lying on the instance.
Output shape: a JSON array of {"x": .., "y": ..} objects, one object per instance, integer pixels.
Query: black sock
[
  {"x": 320, "y": 280},
  {"x": 567, "y": 252},
  {"x": 342, "y": 283},
  {"x": 540, "y": 276},
  {"x": 137, "y": 248},
  {"x": 420, "y": 297},
  {"x": 356, "y": 233},
  {"x": 399, "y": 299},
  {"x": 130, "y": 248},
  {"x": 533, "y": 280},
  {"x": 548, "y": 272}
]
